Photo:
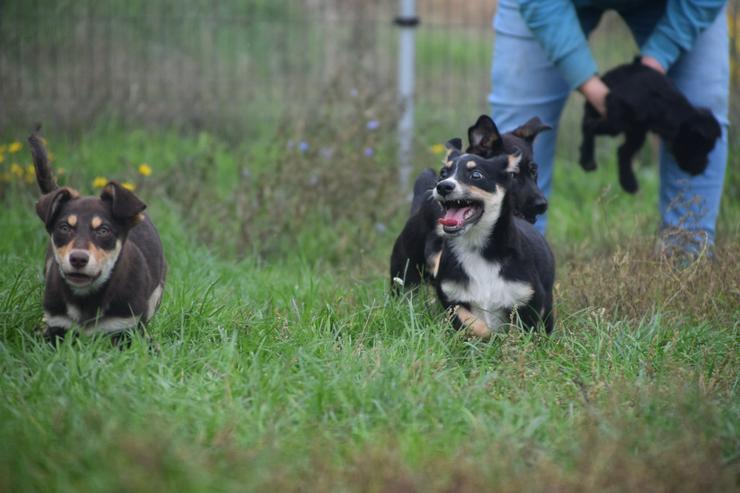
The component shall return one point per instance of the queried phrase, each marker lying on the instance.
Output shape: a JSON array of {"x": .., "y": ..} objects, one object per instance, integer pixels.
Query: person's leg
[
  {"x": 691, "y": 203},
  {"x": 703, "y": 75},
  {"x": 526, "y": 84}
]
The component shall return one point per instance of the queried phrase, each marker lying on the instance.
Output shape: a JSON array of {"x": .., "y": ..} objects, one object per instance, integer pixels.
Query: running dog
[
  {"x": 492, "y": 263},
  {"x": 105, "y": 268},
  {"x": 415, "y": 255}
]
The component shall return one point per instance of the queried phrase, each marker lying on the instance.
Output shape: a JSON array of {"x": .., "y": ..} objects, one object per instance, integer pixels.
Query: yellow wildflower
[
  {"x": 2, "y": 158},
  {"x": 61, "y": 171},
  {"x": 15, "y": 147},
  {"x": 51, "y": 157},
  {"x": 437, "y": 149},
  {"x": 145, "y": 169},
  {"x": 129, "y": 186},
  {"x": 16, "y": 169},
  {"x": 99, "y": 182},
  {"x": 30, "y": 174}
]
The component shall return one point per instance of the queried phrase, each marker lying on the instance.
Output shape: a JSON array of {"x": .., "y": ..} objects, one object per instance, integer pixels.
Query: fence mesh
[{"x": 237, "y": 64}]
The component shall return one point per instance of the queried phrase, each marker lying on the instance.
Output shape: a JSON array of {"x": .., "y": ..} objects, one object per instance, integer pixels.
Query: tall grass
[{"x": 278, "y": 360}]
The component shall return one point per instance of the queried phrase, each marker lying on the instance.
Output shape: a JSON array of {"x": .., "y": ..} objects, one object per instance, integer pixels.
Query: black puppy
[
  {"x": 415, "y": 254},
  {"x": 492, "y": 262},
  {"x": 105, "y": 268},
  {"x": 641, "y": 99}
]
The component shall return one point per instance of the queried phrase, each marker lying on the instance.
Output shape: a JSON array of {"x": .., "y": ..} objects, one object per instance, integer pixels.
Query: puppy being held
[
  {"x": 492, "y": 262},
  {"x": 415, "y": 255},
  {"x": 105, "y": 268},
  {"x": 642, "y": 99}
]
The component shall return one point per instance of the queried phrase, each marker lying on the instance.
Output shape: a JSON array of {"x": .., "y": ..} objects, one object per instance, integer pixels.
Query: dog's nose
[
  {"x": 78, "y": 259},
  {"x": 444, "y": 187},
  {"x": 540, "y": 206}
]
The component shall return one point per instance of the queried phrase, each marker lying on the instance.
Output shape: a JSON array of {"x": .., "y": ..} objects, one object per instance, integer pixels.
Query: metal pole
[{"x": 407, "y": 22}]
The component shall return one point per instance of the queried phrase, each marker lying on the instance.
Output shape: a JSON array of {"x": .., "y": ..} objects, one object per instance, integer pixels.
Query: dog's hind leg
[
  {"x": 634, "y": 138},
  {"x": 587, "y": 160}
]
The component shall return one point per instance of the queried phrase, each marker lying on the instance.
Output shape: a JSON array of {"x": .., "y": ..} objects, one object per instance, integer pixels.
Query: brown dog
[{"x": 105, "y": 268}]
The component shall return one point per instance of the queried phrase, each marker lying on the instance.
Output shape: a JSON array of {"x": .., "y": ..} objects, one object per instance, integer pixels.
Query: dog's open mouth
[
  {"x": 79, "y": 279},
  {"x": 460, "y": 213}
]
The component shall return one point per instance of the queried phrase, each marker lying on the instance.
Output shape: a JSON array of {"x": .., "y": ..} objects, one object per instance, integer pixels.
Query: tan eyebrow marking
[
  {"x": 72, "y": 219},
  {"x": 96, "y": 222},
  {"x": 470, "y": 164},
  {"x": 513, "y": 163}
]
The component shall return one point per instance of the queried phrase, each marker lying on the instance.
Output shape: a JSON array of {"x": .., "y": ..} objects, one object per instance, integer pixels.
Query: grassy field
[{"x": 278, "y": 361}]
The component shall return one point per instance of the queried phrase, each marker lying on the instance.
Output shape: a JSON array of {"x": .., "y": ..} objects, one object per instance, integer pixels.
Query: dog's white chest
[{"x": 490, "y": 296}]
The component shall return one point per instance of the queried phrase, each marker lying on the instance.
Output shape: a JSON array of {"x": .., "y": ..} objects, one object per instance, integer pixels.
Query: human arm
[
  {"x": 676, "y": 32},
  {"x": 555, "y": 25}
]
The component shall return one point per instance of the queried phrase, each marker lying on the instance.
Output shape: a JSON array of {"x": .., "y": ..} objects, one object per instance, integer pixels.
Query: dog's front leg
[
  {"x": 634, "y": 138},
  {"x": 54, "y": 335},
  {"x": 433, "y": 254},
  {"x": 462, "y": 318}
]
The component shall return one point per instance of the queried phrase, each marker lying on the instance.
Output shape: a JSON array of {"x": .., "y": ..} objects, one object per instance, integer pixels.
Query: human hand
[
  {"x": 653, "y": 63},
  {"x": 595, "y": 92}
]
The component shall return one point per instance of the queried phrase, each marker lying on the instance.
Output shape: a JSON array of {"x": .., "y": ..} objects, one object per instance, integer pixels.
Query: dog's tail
[
  {"x": 44, "y": 177},
  {"x": 424, "y": 183}
]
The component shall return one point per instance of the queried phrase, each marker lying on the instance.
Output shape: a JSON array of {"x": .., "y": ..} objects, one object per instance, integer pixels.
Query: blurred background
[{"x": 310, "y": 82}]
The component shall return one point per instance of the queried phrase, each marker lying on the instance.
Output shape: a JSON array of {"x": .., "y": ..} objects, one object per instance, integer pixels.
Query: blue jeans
[{"x": 525, "y": 84}]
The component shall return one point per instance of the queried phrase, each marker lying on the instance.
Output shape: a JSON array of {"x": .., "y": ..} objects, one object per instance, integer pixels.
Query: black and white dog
[
  {"x": 492, "y": 263},
  {"x": 415, "y": 255}
]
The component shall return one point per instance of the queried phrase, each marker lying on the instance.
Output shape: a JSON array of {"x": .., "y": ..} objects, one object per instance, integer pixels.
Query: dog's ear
[
  {"x": 454, "y": 144},
  {"x": 484, "y": 137},
  {"x": 694, "y": 141},
  {"x": 124, "y": 205},
  {"x": 51, "y": 203},
  {"x": 529, "y": 130},
  {"x": 707, "y": 125},
  {"x": 454, "y": 149}
]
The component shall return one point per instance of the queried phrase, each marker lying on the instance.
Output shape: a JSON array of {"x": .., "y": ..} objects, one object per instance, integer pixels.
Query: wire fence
[
  {"x": 239, "y": 65},
  {"x": 199, "y": 63}
]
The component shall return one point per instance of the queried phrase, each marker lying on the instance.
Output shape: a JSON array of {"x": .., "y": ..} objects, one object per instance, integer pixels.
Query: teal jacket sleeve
[
  {"x": 677, "y": 30},
  {"x": 555, "y": 25}
]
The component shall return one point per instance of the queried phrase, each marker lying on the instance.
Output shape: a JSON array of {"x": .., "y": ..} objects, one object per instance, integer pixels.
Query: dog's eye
[
  {"x": 103, "y": 231},
  {"x": 444, "y": 172},
  {"x": 476, "y": 175},
  {"x": 64, "y": 228}
]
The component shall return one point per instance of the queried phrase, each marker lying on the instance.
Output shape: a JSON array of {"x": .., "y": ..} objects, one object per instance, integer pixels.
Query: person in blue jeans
[{"x": 541, "y": 53}]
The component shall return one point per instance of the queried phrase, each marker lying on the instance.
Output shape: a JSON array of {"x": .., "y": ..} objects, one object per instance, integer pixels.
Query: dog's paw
[
  {"x": 588, "y": 164},
  {"x": 629, "y": 184},
  {"x": 53, "y": 335}
]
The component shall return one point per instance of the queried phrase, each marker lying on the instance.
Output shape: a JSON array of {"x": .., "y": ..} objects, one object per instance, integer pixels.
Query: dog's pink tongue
[{"x": 454, "y": 217}]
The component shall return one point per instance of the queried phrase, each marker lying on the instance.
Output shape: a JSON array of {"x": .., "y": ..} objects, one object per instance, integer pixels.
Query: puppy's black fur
[
  {"x": 492, "y": 262},
  {"x": 416, "y": 251},
  {"x": 641, "y": 99},
  {"x": 105, "y": 268}
]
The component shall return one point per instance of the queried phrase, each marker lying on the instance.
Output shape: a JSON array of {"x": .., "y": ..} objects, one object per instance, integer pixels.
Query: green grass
[{"x": 290, "y": 368}]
